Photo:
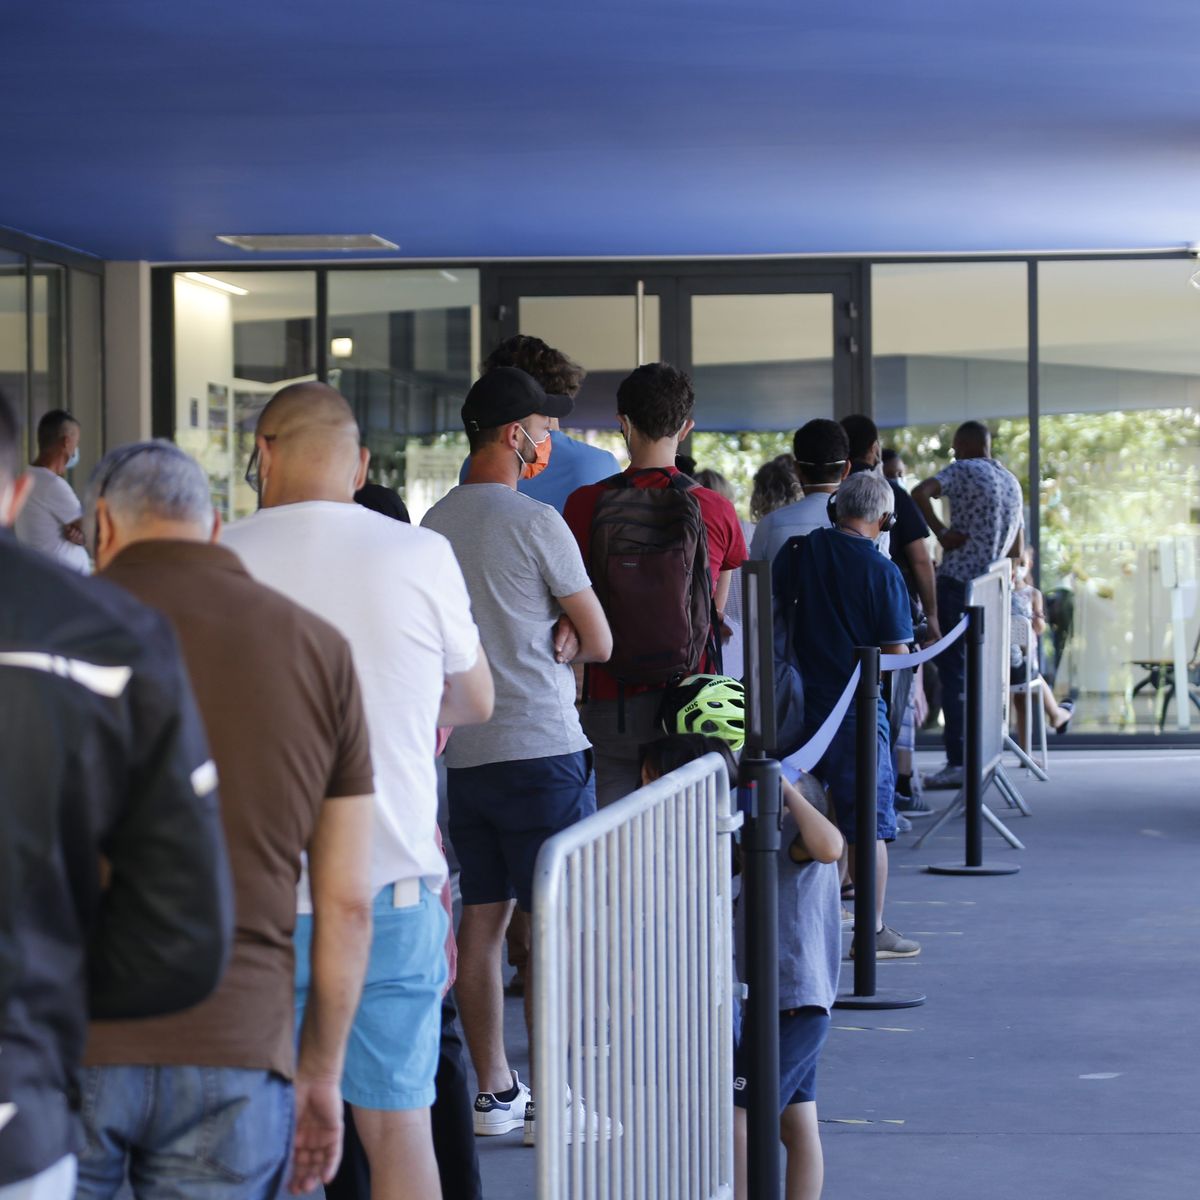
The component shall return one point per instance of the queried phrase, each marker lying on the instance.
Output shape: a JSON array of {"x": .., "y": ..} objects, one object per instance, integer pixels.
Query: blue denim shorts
[
  {"x": 501, "y": 813},
  {"x": 838, "y": 771},
  {"x": 802, "y": 1034},
  {"x": 391, "y": 1058}
]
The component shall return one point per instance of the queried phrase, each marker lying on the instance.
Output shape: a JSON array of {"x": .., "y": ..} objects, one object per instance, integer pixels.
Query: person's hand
[
  {"x": 932, "y": 633},
  {"x": 566, "y": 640},
  {"x": 73, "y": 533},
  {"x": 317, "y": 1148},
  {"x": 952, "y": 539}
]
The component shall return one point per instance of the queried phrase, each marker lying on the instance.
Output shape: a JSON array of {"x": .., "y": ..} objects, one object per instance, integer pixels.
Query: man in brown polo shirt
[{"x": 202, "y": 1104}]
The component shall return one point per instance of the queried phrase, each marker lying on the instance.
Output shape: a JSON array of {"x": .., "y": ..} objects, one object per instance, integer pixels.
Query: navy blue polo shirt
[{"x": 848, "y": 595}]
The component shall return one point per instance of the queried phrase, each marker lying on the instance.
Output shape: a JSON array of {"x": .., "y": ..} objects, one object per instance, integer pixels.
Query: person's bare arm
[
  {"x": 921, "y": 566},
  {"x": 924, "y": 494},
  {"x": 820, "y": 836},
  {"x": 721, "y": 595},
  {"x": 582, "y": 633},
  {"x": 897, "y": 648},
  {"x": 469, "y": 697},
  {"x": 1018, "y": 544},
  {"x": 338, "y": 854},
  {"x": 1039, "y": 613},
  {"x": 72, "y": 532}
]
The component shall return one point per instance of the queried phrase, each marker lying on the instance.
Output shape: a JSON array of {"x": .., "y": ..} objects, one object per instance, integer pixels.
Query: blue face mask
[{"x": 73, "y": 461}]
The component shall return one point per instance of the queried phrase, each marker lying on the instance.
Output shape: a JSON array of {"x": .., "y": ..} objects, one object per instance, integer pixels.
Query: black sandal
[{"x": 1069, "y": 708}]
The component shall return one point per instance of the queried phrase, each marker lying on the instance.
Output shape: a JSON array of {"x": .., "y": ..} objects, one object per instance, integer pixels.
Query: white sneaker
[
  {"x": 581, "y": 1123},
  {"x": 494, "y": 1116}
]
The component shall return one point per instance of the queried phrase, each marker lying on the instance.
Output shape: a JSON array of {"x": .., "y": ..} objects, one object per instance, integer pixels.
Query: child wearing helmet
[{"x": 810, "y": 931}]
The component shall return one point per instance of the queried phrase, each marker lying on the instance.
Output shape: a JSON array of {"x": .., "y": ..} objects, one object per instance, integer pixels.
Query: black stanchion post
[
  {"x": 973, "y": 782},
  {"x": 760, "y": 786},
  {"x": 866, "y": 784},
  {"x": 760, "y": 799}
]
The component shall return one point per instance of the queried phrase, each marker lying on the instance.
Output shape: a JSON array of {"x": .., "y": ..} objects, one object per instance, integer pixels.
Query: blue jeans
[
  {"x": 952, "y": 665},
  {"x": 208, "y": 1133},
  {"x": 838, "y": 771}
]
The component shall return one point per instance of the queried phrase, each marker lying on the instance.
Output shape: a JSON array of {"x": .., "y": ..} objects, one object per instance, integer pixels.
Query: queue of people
[{"x": 224, "y": 747}]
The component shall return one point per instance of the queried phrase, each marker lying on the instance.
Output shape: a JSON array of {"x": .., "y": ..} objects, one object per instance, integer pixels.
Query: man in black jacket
[{"x": 114, "y": 887}]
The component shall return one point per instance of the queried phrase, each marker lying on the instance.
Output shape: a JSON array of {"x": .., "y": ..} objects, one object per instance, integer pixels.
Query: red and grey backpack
[{"x": 648, "y": 560}]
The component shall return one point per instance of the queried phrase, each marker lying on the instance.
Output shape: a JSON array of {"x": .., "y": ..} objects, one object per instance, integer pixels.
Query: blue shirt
[
  {"x": 849, "y": 595},
  {"x": 572, "y": 465}
]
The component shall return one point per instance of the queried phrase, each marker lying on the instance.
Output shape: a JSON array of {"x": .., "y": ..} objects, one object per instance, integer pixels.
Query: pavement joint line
[
  {"x": 877, "y": 1028},
  {"x": 1034, "y": 1133}
]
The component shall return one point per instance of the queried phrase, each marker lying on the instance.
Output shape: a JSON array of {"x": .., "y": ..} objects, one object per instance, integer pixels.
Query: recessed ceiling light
[
  {"x": 219, "y": 284},
  {"x": 310, "y": 242}
]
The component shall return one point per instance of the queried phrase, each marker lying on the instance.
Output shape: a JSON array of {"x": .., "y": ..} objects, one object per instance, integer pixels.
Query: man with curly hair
[{"x": 572, "y": 463}]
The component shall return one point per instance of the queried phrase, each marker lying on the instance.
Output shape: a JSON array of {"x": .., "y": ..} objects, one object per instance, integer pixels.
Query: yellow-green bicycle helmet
[{"x": 714, "y": 705}]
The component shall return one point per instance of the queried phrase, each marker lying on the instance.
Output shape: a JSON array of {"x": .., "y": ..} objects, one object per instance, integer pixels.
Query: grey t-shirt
[
  {"x": 810, "y": 928},
  {"x": 516, "y": 555}
]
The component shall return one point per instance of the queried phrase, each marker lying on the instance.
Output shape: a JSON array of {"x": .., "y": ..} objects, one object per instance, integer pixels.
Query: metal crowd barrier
[
  {"x": 633, "y": 987},
  {"x": 986, "y": 725}
]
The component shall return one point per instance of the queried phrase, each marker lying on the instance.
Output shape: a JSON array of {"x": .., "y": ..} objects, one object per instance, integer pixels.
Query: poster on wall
[{"x": 218, "y": 408}]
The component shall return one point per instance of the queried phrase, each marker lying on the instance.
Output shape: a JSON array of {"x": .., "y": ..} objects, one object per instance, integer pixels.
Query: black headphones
[{"x": 831, "y": 511}]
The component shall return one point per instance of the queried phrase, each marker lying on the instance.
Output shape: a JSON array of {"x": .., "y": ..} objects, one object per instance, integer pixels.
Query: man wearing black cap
[{"x": 527, "y": 774}]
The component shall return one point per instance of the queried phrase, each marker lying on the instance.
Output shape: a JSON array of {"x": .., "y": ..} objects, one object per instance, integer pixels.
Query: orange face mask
[{"x": 541, "y": 451}]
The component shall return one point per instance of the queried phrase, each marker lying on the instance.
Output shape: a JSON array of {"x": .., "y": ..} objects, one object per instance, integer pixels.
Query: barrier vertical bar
[
  {"x": 760, "y": 798},
  {"x": 973, "y": 765},
  {"x": 866, "y": 784}
]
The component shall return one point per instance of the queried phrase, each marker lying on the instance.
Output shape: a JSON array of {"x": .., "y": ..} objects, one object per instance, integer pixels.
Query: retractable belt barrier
[{"x": 814, "y": 749}]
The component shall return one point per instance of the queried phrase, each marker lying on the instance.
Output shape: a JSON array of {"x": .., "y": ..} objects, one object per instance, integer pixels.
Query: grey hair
[
  {"x": 150, "y": 481},
  {"x": 864, "y": 496}
]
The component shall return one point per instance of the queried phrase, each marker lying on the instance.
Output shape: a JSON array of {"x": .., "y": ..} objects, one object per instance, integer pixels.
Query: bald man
[{"x": 396, "y": 593}]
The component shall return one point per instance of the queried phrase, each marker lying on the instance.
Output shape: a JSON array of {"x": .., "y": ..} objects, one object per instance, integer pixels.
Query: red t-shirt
[{"x": 726, "y": 547}]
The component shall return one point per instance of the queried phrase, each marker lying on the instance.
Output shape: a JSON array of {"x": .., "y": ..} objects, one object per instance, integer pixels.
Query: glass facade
[
  {"x": 14, "y": 328},
  {"x": 239, "y": 336},
  {"x": 404, "y": 348},
  {"x": 1119, "y": 431},
  {"x": 762, "y": 365},
  {"x": 950, "y": 344},
  {"x": 52, "y": 341},
  {"x": 1103, "y": 433}
]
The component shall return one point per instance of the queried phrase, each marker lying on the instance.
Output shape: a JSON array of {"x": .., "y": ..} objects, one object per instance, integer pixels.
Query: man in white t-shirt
[
  {"x": 396, "y": 593},
  {"x": 51, "y": 520}
]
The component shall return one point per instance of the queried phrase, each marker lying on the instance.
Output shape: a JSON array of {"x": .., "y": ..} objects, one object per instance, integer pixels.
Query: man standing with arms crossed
[
  {"x": 397, "y": 595},
  {"x": 280, "y": 701},
  {"x": 527, "y": 774},
  {"x": 987, "y": 524},
  {"x": 51, "y": 519}
]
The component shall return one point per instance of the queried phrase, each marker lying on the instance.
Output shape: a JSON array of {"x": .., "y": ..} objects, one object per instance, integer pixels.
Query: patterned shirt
[{"x": 985, "y": 504}]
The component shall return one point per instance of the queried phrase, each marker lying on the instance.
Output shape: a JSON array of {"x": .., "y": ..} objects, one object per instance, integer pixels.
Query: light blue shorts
[{"x": 392, "y": 1055}]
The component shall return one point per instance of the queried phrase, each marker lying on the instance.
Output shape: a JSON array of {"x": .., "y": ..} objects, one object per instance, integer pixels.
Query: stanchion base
[
  {"x": 884, "y": 998},
  {"x": 982, "y": 869}
]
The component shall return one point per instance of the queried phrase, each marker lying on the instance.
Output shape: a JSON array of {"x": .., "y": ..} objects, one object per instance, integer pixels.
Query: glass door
[
  {"x": 766, "y": 354},
  {"x": 608, "y": 323}
]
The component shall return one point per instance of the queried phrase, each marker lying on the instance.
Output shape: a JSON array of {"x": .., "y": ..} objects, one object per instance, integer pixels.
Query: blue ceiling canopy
[{"x": 142, "y": 129}]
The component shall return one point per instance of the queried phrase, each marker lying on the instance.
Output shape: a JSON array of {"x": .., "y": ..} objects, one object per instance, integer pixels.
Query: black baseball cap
[{"x": 507, "y": 394}]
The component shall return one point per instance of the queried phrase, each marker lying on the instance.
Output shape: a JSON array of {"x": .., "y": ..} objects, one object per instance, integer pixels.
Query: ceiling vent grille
[{"x": 305, "y": 242}]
